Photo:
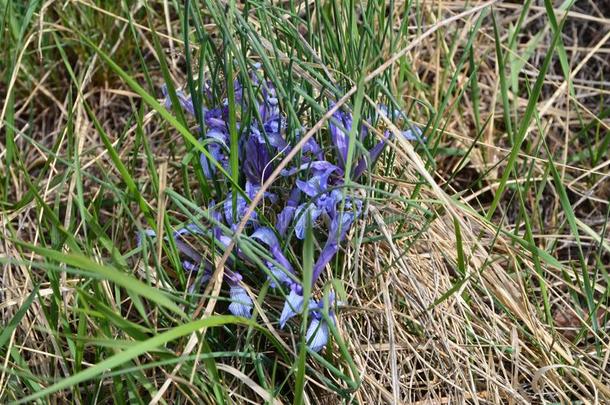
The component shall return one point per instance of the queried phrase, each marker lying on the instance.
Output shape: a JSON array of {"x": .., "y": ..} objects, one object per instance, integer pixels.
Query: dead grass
[{"x": 486, "y": 341}]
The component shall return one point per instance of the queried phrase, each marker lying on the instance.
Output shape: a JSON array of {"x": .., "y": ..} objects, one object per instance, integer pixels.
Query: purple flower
[
  {"x": 318, "y": 331},
  {"x": 240, "y": 210},
  {"x": 185, "y": 101},
  {"x": 217, "y": 231},
  {"x": 318, "y": 182},
  {"x": 269, "y": 108},
  {"x": 317, "y": 334},
  {"x": 271, "y": 133},
  {"x": 257, "y": 164},
  {"x": 325, "y": 206},
  {"x": 238, "y": 91},
  {"x": 312, "y": 147},
  {"x": 145, "y": 233},
  {"x": 192, "y": 267},
  {"x": 319, "y": 177},
  {"x": 182, "y": 246},
  {"x": 209, "y": 168},
  {"x": 217, "y": 119},
  {"x": 241, "y": 304},
  {"x": 292, "y": 306},
  {"x": 189, "y": 229},
  {"x": 189, "y": 266},
  {"x": 267, "y": 237},
  {"x": 338, "y": 229},
  {"x": 340, "y": 126},
  {"x": 340, "y": 225},
  {"x": 413, "y": 134},
  {"x": 301, "y": 217},
  {"x": 252, "y": 189},
  {"x": 373, "y": 154},
  {"x": 285, "y": 216}
]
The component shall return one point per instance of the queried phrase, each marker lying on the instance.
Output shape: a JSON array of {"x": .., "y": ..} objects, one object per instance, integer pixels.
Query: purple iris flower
[
  {"x": 340, "y": 138},
  {"x": 182, "y": 246},
  {"x": 318, "y": 179},
  {"x": 185, "y": 101},
  {"x": 318, "y": 182},
  {"x": 318, "y": 331},
  {"x": 301, "y": 214},
  {"x": 312, "y": 147},
  {"x": 241, "y": 209},
  {"x": 413, "y": 134},
  {"x": 190, "y": 229},
  {"x": 325, "y": 206},
  {"x": 145, "y": 233},
  {"x": 208, "y": 168},
  {"x": 217, "y": 118},
  {"x": 373, "y": 154},
  {"x": 241, "y": 303},
  {"x": 292, "y": 306},
  {"x": 340, "y": 126},
  {"x": 281, "y": 274},
  {"x": 285, "y": 216},
  {"x": 269, "y": 108},
  {"x": 317, "y": 334},
  {"x": 253, "y": 188},
  {"x": 189, "y": 266},
  {"x": 338, "y": 229},
  {"x": 217, "y": 231},
  {"x": 238, "y": 91},
  {"x": 315, "y": 167},
  {"x": 271, "y": 133},
  {"x": 257, "y": 165},
  {"x": 194, "y": 267}
]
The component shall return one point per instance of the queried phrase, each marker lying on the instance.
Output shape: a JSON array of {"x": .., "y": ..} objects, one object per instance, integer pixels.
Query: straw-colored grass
[{"x": 477, "y": 274}]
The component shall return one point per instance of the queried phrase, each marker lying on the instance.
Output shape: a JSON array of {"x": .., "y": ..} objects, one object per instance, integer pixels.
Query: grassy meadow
[{"x": 476, "y": 270}]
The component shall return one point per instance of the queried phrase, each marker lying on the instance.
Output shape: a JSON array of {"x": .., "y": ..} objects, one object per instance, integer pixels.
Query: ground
[{"x": 477, "y": 271}]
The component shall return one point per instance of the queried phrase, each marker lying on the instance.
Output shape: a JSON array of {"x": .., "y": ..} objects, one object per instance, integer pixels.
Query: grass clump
[{"x": 473, "y": 267}]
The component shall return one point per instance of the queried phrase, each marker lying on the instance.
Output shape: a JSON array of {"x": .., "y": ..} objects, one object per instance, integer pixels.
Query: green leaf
[
  {"x": 8, "y": 329},
  {"x": 308, "y": 252},
  {"x": 133, "y": 352},
  {"x": 108, "y": 273}
]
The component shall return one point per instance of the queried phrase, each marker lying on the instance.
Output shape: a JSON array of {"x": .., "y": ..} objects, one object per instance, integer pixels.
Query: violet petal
[
  {"x": 266, "y": 236},
  {"x": 257, "y": 165},
  {"x": 413, "y": 134},
  {"x": 338, "y": 229},
  {"x": 317, "y": 334},
  {"x": 301, "y": 218},
  {"x": 292, "y": 306},
  {"x": 283, "y": 220},
  {"x": 145, "y": 233},
  {"x": 189, "y": 266},
  {"x": 241, "y": 304},
  {"x": 340, "y": 136}
]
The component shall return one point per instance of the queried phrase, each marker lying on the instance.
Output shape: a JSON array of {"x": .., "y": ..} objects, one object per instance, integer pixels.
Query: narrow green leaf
[
  {"x": 308, "y": 252},
  {"x": 133, "y": 352},
  {"x": 107, "y": 273},
  {"x": 10, "y": 327},
  {"x": 532, "y": 105}
]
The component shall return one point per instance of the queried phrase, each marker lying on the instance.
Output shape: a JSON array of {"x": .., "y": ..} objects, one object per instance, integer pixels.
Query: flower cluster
[{"x": 314, "y": 193}]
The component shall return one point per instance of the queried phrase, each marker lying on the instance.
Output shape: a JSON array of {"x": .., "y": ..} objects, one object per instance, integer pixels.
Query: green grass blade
[
  {"x": 16, "y": 319},
  {"x": 525, "y": 124},
  {"x": 133, "y": 352},
  {"x": 108, "y": 273},
  {"x": 308, "y": 252}
]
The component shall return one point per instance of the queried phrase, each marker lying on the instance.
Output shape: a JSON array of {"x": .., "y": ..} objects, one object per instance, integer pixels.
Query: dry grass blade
[{"x": 444, "y": 302}]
